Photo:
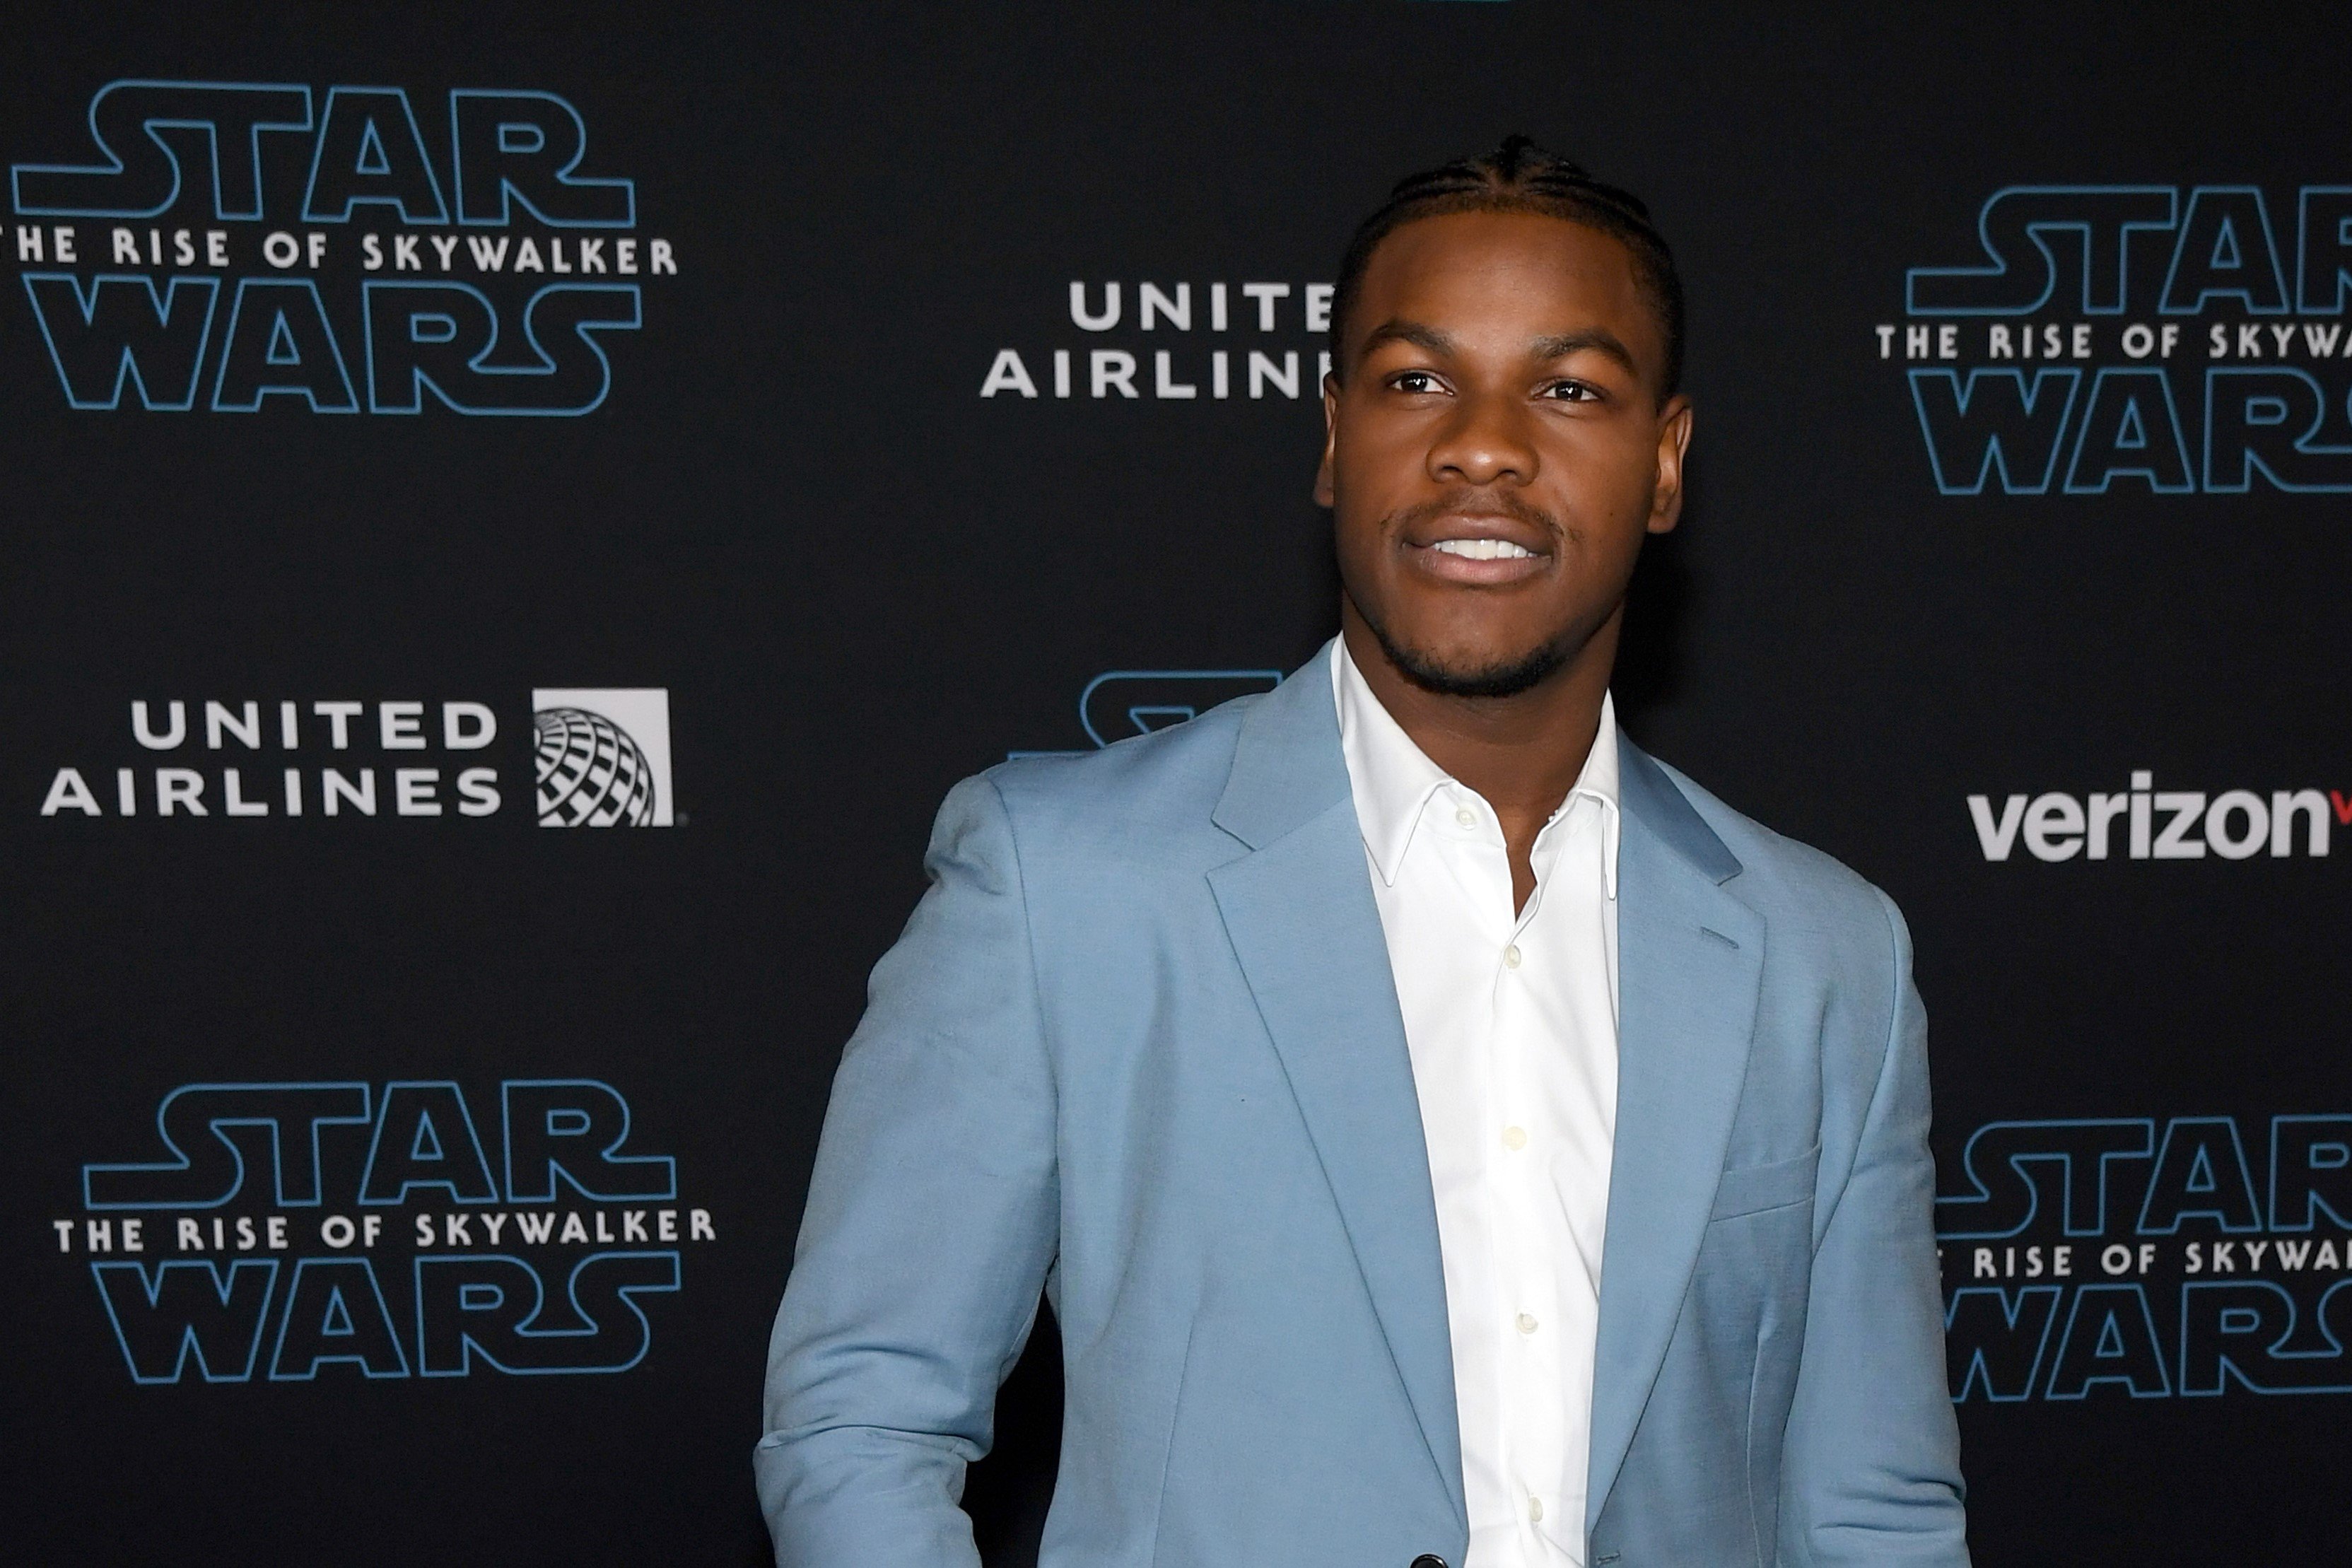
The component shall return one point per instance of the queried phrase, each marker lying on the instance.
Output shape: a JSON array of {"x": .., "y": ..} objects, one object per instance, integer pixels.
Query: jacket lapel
[
  {"x": 1298, "y": 909},
  {"x": 1690, "y": 963},
  {"x": 1300, "y": 914}
]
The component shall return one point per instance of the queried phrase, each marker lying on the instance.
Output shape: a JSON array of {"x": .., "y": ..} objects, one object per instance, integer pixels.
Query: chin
[{"x": 1475, "y": 670}]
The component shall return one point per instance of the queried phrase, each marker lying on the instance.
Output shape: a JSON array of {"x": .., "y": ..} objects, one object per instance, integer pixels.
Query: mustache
[{"x": 1475, "y": 503}]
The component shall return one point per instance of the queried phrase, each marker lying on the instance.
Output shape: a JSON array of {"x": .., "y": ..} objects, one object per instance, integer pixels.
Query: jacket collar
[
  {"x": 1393, "y": 778},
  {"x": 1288, "y": 769}
]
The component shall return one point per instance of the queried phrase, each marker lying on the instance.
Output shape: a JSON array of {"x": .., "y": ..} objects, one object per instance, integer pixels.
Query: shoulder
[
  {"x": 1138, "y": 797},
  {"x": 1799, "y": 891}
]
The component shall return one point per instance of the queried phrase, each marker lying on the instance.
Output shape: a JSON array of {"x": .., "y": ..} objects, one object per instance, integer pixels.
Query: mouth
[
  {"x": 1484, "y": 550},
  {"x": 1477, "y": 550}
]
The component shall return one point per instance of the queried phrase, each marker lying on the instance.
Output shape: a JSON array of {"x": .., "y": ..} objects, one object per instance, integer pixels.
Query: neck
[{"x": 1522, "y": 753}]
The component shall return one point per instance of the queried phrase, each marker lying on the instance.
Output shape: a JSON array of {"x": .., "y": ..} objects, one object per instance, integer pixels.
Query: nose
[{"x": 1486, "y": 441}]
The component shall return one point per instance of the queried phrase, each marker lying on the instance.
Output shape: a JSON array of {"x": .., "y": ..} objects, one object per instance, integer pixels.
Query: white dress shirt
[{"x": 1511, "y": 1021}]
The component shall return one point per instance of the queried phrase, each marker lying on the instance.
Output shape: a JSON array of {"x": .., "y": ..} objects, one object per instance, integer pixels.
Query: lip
[{"x": 1418, "y": 543}]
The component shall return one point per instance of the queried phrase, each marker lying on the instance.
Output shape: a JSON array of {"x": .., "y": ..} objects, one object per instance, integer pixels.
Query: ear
[
  {"x": 1331, "y": 435},
  {"x": 1673, "y": 443}
]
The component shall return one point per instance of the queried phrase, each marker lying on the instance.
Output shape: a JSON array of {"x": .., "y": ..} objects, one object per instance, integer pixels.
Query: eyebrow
[
  {"x": 1598, "y": 339},
  {"x": 1558, "y": 346},
  {"x": 1413, "y": 333}
]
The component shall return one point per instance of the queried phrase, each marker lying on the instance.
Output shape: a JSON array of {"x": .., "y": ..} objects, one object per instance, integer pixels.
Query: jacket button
[{"x": 1429, "y": 1560}]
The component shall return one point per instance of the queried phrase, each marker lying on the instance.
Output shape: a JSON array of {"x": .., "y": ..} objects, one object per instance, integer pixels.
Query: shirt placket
[
  {"x": 1465, "y": 880},
  {"x": 1588, "y": 1021},
  {"x": 1527, "y": 1293},
  {"x": 1537, "y": 1326}
]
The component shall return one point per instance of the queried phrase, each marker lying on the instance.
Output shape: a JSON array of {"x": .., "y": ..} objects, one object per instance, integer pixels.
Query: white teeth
[{"x": 1485, "y": 549}]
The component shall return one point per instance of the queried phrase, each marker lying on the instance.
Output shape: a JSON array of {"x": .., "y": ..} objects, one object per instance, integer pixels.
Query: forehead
[{"x": 1530, "y": 273}]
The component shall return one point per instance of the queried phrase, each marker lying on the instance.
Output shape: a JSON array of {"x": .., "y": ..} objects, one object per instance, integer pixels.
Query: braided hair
[{"x": 1519, "y": 177}]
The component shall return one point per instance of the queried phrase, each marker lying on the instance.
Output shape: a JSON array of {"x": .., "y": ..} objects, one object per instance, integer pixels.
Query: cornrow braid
[{"x": 1520, "y": 176}]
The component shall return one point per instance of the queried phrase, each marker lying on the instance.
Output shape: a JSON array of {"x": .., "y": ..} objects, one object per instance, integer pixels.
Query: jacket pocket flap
[{"x": 1752, "y": 1188}]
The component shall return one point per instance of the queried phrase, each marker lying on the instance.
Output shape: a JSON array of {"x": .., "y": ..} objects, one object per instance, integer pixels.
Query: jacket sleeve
[
  {"x": 932, "y": 1222},
  {"x": 1871, "y": 1471}
]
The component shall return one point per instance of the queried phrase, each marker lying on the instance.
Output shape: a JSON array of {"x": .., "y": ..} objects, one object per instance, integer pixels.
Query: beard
[
  {"x": 1501, "y": 676},
  {"x": 1506, "y": 677}
]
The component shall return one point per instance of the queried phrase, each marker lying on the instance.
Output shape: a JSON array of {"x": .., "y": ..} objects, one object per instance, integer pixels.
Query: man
[{"x": 1445, "y": 1134}]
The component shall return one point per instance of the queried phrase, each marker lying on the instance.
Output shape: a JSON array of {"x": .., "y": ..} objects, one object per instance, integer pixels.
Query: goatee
[{"x": 1501, "y": 677}]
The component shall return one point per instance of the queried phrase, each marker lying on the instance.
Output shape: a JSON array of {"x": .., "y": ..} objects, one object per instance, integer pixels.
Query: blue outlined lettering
[
  {"x": 2165, "y": 1285},
  {"x": 2016, "y": 228},
  {"x": 2076, "y": 254},
  {"x": 525, "y": 148},
  {"x": 122, "y": 330},
  {"x": 202, "y": 150},
  {"x": 443, "y": 338},
  {"x": 575, "y": 1127},
  {"x": 335, "y": 1312},
  {"x": 2269, "y": 421},
  {"x": 1994, "y": 419},
  {"x": 2109, "y": 1338},
  {"x": 2322, "y": 267},
  {"x": 509, "y": 150},
  {"x": 2041, "y": 241},
  {"x": 492, "y": 1306},
  {"x": 1994, "y": 1339},
  {"x": 370, "y": 151},
  {"x": 424, "y": 1139},
  {"x": 2246, "y": 1332},
  {"x": 207, "y": 1127},
  {"x": 2004, "y": 1162},
  {"x": 413, "y": 1144},
  {"x": 279, "y": 342},
  {"x": 2311, "y": 1172},
  {"x": 2129, "y": 429},
  {"x": 2201, "y": 1173},
  {"x": 142, "y": 175},
  {"x": 2225, "y": 251},
  {"x": 179, "y": 1311},
  {"x": 1120, "y": 703}
]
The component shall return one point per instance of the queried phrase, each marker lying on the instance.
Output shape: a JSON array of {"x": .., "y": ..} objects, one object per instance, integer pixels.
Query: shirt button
[
  {"x": 1466, "y": 817},
  {"x": 1511, "y": 956},
  {"x": 1535, "y": 1510},
  {"x": 1526, "y": 1323},
  {"x": 1515, "y": 1138}
]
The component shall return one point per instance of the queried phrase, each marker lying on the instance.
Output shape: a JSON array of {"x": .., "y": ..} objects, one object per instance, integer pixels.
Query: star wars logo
[
  {"x": 1120, "y": 704},
  {"x": 226, "y": 245},
  {"x": 2127, "y": 1259},
  {"x": 2143, "y": 339},
  {"x": 280, "y": 1232}
]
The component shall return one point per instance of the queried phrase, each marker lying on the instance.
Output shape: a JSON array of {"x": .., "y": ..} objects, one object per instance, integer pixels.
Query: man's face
[{"x": 1496, "y": 446}]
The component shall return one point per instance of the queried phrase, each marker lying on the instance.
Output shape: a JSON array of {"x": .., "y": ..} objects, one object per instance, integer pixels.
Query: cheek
[
  {"x": 1358, "y": 540},
  {"x": 1606, "y": 476},
  {"x": 1383, "y": 444}
]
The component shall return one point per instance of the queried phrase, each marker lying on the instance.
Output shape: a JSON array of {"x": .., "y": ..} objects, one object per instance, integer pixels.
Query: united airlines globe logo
[{"x": 603, "y": 758}]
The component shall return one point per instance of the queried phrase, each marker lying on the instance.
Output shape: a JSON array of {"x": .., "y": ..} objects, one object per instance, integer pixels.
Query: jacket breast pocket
[{"x": 1753, "y": 1189}]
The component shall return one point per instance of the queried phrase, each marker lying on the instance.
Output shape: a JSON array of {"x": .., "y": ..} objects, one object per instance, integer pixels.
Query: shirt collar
[{"x": 1393, "y": 778}]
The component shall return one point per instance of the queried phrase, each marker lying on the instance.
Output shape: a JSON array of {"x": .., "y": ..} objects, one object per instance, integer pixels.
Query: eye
[
  {"x": 1416, "y": 382},
  {"x": 1572, "y": 392}
]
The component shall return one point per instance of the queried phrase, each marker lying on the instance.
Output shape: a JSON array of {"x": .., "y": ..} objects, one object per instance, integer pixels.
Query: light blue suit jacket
[{"x": 1140, "y": 1046}]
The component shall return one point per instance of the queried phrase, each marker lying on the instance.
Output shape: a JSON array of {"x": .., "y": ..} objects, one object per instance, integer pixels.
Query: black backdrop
[{"x": 764, "y": 482}]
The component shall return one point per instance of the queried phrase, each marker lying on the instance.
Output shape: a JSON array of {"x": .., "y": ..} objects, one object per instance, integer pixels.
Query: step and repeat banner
[{"x": 514, "y": 518}]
